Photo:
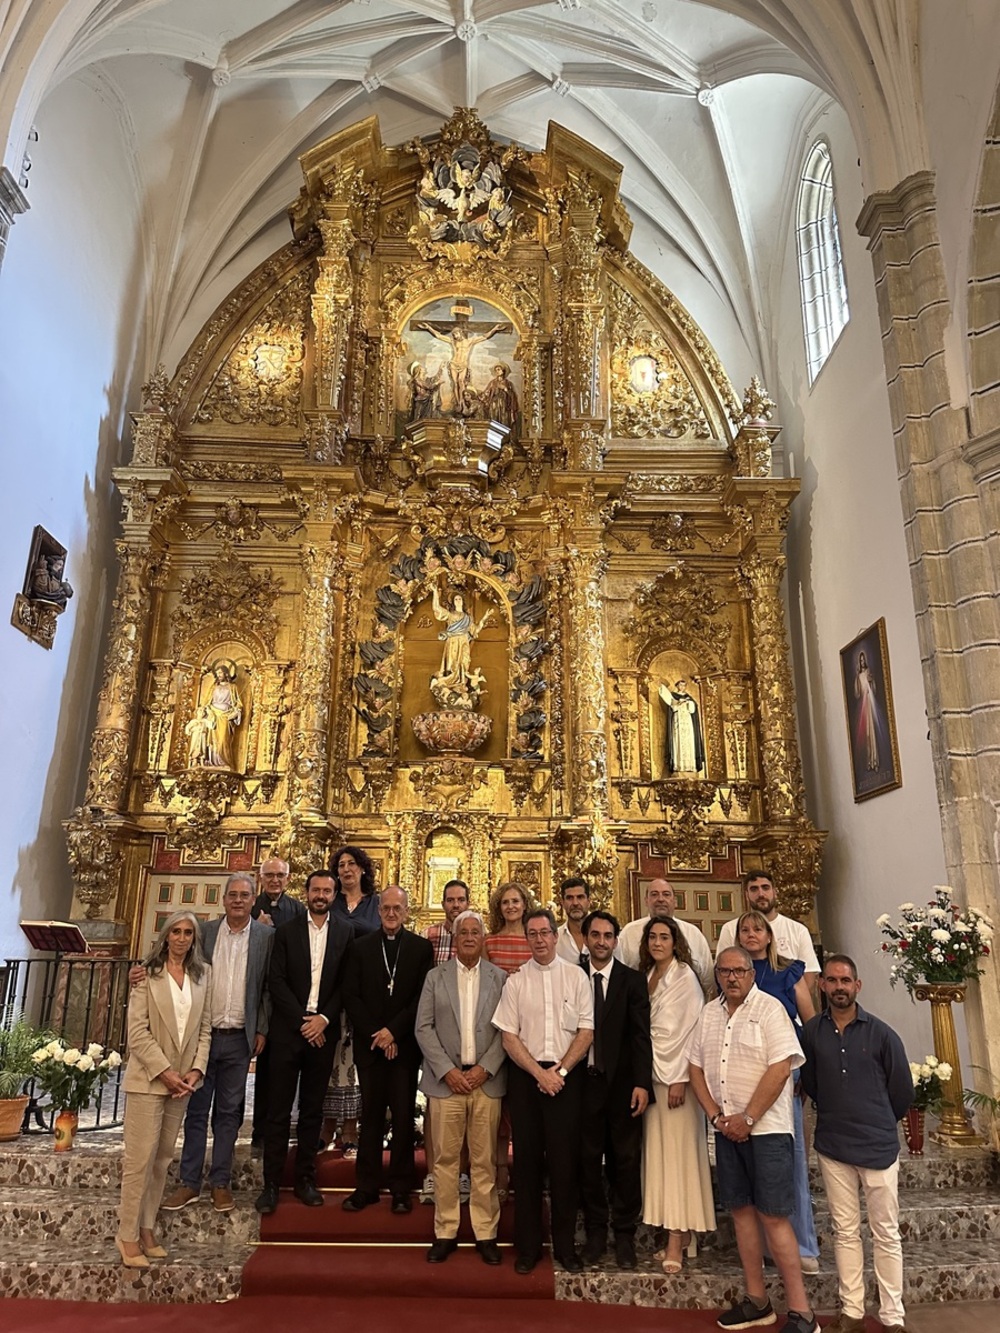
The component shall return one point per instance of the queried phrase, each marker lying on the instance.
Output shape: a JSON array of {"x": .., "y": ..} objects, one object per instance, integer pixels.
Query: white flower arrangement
[
  {"x": 939, "y": 943},
  {"x": 71, "y": 1077},
  {"x": 929, "y": 1079}
]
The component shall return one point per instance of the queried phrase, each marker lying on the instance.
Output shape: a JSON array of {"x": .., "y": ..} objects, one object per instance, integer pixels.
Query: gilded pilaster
[
  {"x": 309, "y": 757},
  {"x": 584, "y": 325},
  {"x": 589, "y": 744}
]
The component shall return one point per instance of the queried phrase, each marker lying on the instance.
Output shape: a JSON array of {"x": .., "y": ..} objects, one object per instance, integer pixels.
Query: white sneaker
[
  {"x": 464, "y": 1188},
  {"x": 427, "y": 1189}
]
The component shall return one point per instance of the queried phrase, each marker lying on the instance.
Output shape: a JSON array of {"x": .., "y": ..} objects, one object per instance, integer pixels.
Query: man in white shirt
[
  {"x": 239, "y": 950},
  {"x": 464, "y": 1079},
  {"x": 546, "y": 1015},
  {"x": 574, "y": 894},
  {"x": 791, "y": 938},
  {"x": 741, "y": 1057},
  {"x": 662, "y": 901}
]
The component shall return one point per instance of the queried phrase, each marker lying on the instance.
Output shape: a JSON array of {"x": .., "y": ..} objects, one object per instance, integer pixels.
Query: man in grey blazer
[
  {"x": 239, "y": 950},
  {"x": 464, "y": 1079}
]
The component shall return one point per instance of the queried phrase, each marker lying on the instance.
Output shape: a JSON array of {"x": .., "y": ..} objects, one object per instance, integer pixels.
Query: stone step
[
  {"x": 952, "y": 1270},
  {"x": 89, "y": 1269},
  {"x": 95, "y": 1163},
  {"x": 45, "y": 1214}
]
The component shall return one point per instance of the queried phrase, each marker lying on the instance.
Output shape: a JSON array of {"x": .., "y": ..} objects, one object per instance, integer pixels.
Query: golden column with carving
[
  {"x": 333, "y": 300},
  {"x": 589, "y": 744},
  {"x": 94, "y": 853},
  {"x": 302, "y": 838},
  {"x": 584, "y": 320}
]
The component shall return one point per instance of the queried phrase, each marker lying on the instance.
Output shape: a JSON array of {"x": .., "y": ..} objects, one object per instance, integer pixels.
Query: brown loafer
[
  {"x": 181, "y": 1197},
  {"x": 222, "y": 1199}
]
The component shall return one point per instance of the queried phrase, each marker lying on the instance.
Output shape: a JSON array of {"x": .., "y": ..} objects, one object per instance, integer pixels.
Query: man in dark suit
[
  {"x": 240, "y": 951},
  {"x": 385, "y": 975},
  {"x": 305, "y": 981},
  {"x": 616, "y": 1093}
]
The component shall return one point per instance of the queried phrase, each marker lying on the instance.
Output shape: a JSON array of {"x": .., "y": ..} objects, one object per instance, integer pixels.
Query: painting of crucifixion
[{"x": 459, "y": 362}]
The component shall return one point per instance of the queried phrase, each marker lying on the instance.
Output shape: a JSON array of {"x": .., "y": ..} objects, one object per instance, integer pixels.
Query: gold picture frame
[{"x": 871, "y": 718}]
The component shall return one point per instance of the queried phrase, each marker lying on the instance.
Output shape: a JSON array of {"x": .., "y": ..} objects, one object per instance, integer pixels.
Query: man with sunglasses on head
[{"x": 741, "y": 1056}]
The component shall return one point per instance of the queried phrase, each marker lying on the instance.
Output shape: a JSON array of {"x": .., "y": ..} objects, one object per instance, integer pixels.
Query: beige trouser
[
  {"x": 841, "y": 1183},
  {"x": 151, "y": 1127},
  {"x": 476, "y": 1117}
]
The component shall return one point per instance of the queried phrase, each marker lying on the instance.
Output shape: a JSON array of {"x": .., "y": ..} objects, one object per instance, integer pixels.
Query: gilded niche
[{"x": 651, "y": 397}]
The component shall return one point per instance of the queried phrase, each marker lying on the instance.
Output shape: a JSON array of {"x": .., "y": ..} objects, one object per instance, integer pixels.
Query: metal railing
[{"x": 80, "y": 1000}]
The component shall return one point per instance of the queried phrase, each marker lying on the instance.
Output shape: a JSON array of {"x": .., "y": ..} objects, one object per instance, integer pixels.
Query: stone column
[
  {"x": 954, "y": 553},
  {"x": 12, "y": 202}
]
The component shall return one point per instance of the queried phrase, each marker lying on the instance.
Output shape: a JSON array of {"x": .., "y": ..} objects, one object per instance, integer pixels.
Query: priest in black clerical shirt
[{"x": 385, "y": 976}]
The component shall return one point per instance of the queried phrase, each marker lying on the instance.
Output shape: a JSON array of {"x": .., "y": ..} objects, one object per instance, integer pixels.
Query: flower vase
[
  {"x": 65, "y": 1129},
  {"x": 913, "y": 1132},
  {"x": 954, "y": 1129}
]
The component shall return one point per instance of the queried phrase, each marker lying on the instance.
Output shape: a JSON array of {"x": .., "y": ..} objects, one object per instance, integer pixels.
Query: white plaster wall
[
  {"x": 848, "y": 567},
  {"x": 71, "y": 302}
]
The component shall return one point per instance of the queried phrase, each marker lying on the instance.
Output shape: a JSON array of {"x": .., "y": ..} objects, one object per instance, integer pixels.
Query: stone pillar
[
  {"x": 12, "y": 202},
  {"x": 954, "y": 553}
]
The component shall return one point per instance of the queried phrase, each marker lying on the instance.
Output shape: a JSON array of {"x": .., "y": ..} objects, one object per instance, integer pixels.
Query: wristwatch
[
  {"x": 749, "y": 1119},
  {"x": 562, "y": 1071},
  {"x": 717, "y": 1116}
]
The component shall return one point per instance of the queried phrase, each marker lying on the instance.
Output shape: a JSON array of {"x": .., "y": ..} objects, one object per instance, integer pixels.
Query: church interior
[{"x": 519, "y": 439}]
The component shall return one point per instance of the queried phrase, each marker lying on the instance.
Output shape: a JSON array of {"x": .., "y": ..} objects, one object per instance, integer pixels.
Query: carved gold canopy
[{"x": 448, "y": 537}]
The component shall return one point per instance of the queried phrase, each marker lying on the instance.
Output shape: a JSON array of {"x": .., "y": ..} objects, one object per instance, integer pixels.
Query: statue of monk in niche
[
  {"x": 47, "y": 582},
  {"x": 456, "y": 685},
  {"x": 685, "y": 748}
]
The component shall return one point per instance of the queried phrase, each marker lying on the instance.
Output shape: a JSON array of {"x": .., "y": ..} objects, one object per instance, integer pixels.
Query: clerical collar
[{"x": 547, "y": 967}]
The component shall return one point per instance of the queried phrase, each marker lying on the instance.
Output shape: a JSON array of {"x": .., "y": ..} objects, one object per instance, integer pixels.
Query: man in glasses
[
  {"x": 546, "y": 1015},
  {"x": 741, "y": 1057}
]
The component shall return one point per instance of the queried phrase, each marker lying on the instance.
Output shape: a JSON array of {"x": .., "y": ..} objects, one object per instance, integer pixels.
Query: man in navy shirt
[{"x": 857, "y": 1074}]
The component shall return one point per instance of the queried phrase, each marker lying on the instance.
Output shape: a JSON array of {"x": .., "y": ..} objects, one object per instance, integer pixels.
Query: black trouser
[
  {"x": 294, "y": 1063},
  {"x": 260, "y": 1078},
  {"x": 611, "y": 1143},
  {"x": 546, "y": 1133},
  {"x": 387, "y": 1085}
]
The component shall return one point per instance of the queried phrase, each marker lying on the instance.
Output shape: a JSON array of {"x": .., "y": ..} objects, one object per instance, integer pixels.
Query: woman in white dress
[{"x": 676, "y": 1180}]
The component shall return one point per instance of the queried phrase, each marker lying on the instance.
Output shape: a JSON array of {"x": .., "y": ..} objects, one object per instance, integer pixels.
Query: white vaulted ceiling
[{"x": 217, "y": 99}]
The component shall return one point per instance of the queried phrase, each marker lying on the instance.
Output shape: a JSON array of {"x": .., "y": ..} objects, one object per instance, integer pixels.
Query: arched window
[{"x": 821, "y": 266}]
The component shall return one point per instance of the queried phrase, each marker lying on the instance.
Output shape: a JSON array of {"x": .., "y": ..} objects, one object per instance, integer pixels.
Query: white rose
[
  {"x": 914, "y": 1071},
  {"x": 55, "y": 1047},
  {"x": 931, "y": 1060},
  {"x": 883, "y": 920},
  {"x": 71, "y": 1056},
  {"x": 946, "y": 889},
  {"x": 114, "y": 1059},
  {"x": 85, "y": 1064},
  {"x": 942, "y": 936},
  {"x": 41, "y": 1055},
  {"x": 943, "y": 1072},
  {"x": 907, "y": 907},
  {"x": 95, "y": 1051},
  {"x": 57, "y": 1057}
]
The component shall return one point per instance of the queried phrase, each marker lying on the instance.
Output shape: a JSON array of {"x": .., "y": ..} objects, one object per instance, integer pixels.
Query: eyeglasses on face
[
  {"x": 539, "y": 934},
  {"x": 732, "y": 971}
]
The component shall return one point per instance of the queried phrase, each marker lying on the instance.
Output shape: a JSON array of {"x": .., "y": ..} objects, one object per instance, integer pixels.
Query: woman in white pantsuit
[{"x": 169, "y": 1031}]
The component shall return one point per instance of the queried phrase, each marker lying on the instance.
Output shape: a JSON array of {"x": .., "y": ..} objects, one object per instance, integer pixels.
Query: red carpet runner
[{"x": 375, "y": 1253}]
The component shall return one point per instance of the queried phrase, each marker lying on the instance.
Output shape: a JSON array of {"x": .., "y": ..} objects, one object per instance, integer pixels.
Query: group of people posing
[{"x": 604, "y": 1053}]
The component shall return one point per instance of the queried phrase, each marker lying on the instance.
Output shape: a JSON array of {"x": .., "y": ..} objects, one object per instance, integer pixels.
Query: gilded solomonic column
[
  {"x": 309, "y": 761},
  {"x": 589, "y": 744}
]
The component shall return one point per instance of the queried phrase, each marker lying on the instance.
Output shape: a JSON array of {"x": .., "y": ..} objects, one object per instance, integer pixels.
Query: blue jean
[
  {"x": 802, "y": 1216},
  {"x": 222, "y": 1093}
]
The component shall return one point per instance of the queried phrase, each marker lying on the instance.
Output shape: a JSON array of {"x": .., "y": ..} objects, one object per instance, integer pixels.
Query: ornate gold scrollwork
[
  {"x": 229, "y": 592},
  {"x": 95, "y": 859},
  {"x": 205, "y": 796},
  {"x": 448, "y": 783}
]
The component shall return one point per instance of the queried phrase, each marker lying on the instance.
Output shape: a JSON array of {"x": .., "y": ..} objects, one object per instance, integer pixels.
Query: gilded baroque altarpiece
[{"x": 448, "y": 537}]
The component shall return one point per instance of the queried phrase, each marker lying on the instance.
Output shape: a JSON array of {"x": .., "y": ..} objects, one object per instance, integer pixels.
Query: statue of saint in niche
[
  {"x": 47, "y": 582},
  {"x": 456, "y": 685},
  {"x": 212, "y": 730},
  {"x": 684, "y": 751}
]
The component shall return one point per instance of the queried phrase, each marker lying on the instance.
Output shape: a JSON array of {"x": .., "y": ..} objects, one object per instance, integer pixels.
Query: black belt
[
  {"x": 466, "y": 1068},
  {"x": 243, "y": 1030},
  {"x": 546, "y": 1064}
]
